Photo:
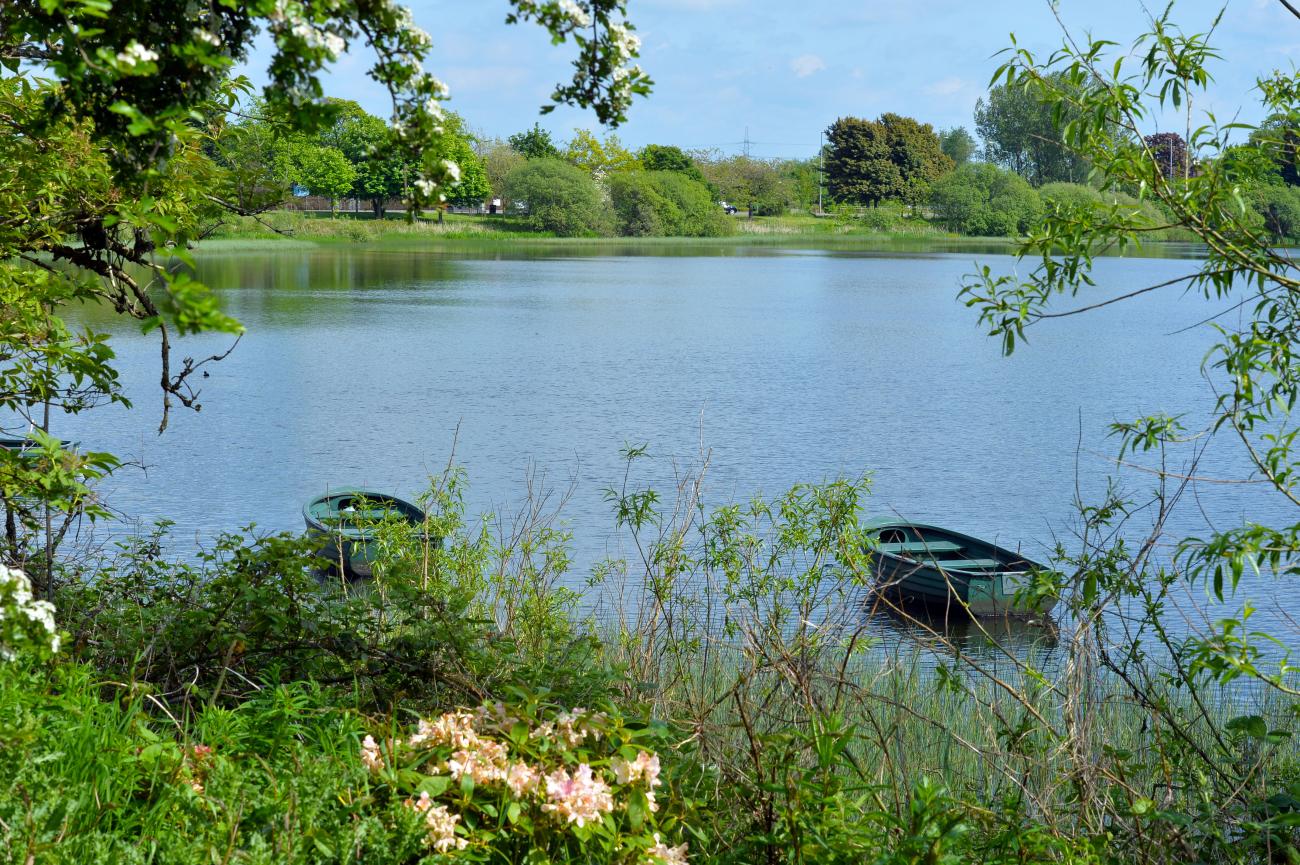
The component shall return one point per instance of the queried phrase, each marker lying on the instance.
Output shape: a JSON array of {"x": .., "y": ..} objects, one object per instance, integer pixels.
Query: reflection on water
[{"x": 950, "y": 630}]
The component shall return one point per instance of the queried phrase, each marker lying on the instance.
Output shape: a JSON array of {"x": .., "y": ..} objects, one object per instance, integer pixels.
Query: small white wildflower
[
  {"x": 662, "y": 854},
  {"x": 438, "y": 88}
]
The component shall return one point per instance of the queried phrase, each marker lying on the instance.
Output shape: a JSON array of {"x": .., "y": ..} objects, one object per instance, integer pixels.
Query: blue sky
[{"x": 787, "y": 70}]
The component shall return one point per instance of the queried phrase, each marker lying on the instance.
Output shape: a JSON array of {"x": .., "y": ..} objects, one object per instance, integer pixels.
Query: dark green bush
[
  {"x": 559, "y": 198},
  {"x": 665, "y": 204},
  {"x": 984, "y": 200},
  {"x": 1277, "y": 207}
]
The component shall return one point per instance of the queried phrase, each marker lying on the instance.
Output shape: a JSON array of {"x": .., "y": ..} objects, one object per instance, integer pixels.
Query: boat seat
[
  {"x": 964, "y": 564},
  {"x": 921, "y": 547}
]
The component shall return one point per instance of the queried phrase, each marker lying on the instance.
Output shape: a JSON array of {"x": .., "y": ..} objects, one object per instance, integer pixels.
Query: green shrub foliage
[
  {"x": 559, "y": 198},
  {"x": 665, "y": 203},
  {"x": 985, "y": 200}
]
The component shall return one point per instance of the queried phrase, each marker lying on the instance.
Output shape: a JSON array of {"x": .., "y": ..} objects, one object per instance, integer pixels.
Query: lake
[{"x": 786, "y": 364}]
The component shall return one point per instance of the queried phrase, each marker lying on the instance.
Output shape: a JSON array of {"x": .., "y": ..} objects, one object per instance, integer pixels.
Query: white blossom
[
  {"x": 426, "y": 186},
  {"x": 452, "y": 169},
  {"x": 135, "y": 54},
  {"x": 315, "y": 37},
  {"x": 626, "y": 43},
  {"x": 207, "y": 36},
  {"x": 23, "y": 620},
  {"x": 576, "y": 13}
]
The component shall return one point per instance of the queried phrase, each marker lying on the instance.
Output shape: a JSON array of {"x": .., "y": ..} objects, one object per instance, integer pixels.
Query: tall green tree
[
  {"x": 915, "y": 149},
  {"x": 668, "y": 157},
  {"x": 535, "y": 143},
  {"x": 894, "y": 157},
  {"x": 321, "y": 170},
  {"x": 383, "y": 173},
  {"x": 958, "y": 145},
  {"x": 598, "y": 158},
  {"x": 472, "y": 185},
  {"x": 1023, "y": 132}
]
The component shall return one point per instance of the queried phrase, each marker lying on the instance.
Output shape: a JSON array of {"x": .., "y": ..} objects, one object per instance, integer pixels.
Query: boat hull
[
  {"x": 916, "y": 563},
  {"x": 347, "y": 521}
]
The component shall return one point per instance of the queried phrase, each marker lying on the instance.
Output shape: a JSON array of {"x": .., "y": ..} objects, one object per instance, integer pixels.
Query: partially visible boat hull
[
  {"x": 346, "y": 520},
  {"x": 925, "y": 564}
]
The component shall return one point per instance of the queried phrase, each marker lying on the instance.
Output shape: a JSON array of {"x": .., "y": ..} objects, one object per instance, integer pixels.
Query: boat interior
[{"x": 946, "y": 551}]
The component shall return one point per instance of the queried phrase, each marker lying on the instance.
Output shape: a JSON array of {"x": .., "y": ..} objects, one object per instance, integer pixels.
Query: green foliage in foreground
[{"x": 223, "y": 708}]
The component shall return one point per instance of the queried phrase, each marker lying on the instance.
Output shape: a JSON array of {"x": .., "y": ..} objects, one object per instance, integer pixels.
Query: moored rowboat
[
  {"x": 927, "y": 564},
  {"x": 348, "y": 520}
]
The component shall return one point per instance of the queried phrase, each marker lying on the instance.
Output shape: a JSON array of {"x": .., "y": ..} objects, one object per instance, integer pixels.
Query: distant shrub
[
  {"x": 985, "y": 200},
  {"x": 878, "y": 219},
  {"x": 1079, "y": 197},
  {"x": 665, "y": 204},
  {"x": 1277, "y": 207},
  {"x": 1069, "y": 195},
  {"x": 559, "y": 198}
]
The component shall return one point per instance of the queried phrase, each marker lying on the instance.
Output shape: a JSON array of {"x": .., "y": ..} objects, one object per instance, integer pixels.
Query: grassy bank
[
  {"x": 467, "y": 234},
  {"x": 219, "y": 711},
  {"x": 356, "y": 228}
]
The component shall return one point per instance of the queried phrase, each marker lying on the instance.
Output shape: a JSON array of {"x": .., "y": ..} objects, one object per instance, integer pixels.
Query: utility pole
[
  {"x": 821, "y": 164},
  {"x": 746, "y": 143}
]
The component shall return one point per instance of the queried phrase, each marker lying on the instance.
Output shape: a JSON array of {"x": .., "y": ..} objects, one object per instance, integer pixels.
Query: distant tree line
[{"x": 999, "y": 183}]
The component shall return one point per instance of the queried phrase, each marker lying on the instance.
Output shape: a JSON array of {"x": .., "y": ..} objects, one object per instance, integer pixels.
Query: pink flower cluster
[
  {"x": 580, "y": 798},
  {"x": 522, "y": 779},
  {"x": 570, "y": 728},
  {"x": 477, "y": 746},
  {"x": 644, "y": 768},
  {"x": 441, "y": 823},
  {"x": 662, "y": 854},
  {"x": 370, "y": 756}
]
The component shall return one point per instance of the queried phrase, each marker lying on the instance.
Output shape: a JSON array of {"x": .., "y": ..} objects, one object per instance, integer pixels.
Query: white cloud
[
  {"x": 806, "y": 64},
  {"x": 946, "y": 86}
]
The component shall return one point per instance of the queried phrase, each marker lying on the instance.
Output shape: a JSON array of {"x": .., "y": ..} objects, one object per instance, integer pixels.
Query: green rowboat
[
  {"x": 347, "y": 522},
  {"x": 926, "y": 564}
]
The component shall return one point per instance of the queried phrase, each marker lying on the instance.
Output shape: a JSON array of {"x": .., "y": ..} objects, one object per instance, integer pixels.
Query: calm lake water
[{"x": 362, "y": 366}]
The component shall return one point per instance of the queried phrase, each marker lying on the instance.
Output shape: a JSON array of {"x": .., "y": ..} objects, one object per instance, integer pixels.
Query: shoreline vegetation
[
  {"x": 238, "y": 701},
  {"x": 285, "y": 229}
]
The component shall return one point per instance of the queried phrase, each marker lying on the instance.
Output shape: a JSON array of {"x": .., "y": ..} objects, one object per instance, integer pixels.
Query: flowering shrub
[
  {"x": 499, "y": 782},
  {"x": 26, "y": 624}
]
